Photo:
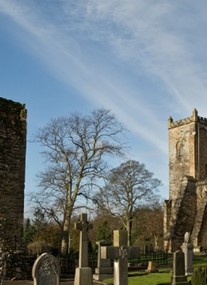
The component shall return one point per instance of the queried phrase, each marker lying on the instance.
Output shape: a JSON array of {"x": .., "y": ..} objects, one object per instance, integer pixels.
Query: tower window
[{"x": 179, "y": 150}]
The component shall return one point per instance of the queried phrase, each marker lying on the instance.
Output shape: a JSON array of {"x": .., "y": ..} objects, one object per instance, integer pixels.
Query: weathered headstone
[
  {"x": 187, "y": 249},
  {"x": 45, "y": 270},
  {"x": 179, "y": 276},
  {"x": 83, "y": 273},
  {"x": 104, "y": 268},
  {"x": 151, "y": 268},
  {"x": 120, "y": 253}
]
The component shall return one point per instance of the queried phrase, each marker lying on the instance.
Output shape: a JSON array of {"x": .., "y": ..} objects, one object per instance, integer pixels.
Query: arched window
[{"x": 179, "y": 150}]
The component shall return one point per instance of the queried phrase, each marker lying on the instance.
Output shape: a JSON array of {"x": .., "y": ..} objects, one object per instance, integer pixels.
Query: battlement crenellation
[{"x": 192, "y": 119}]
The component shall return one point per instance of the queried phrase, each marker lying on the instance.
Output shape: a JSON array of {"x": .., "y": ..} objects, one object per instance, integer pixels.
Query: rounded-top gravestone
[{"x": 46, "y": 270}]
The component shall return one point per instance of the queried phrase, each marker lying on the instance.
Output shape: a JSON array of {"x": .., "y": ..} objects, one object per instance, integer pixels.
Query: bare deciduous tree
[
  {"x": 75, "y": 149},
  {"x": 127, "y": 186}
]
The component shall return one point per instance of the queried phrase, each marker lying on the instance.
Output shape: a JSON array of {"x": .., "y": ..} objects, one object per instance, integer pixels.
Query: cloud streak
[
  {"x": 156, "y": 43},
  {"x": 144, "y": 60},
  {"x": 60, "y": 50}
]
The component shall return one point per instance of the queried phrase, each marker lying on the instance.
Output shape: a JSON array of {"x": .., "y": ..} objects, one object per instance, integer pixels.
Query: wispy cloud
[
  {"x": 145, "y": 60},
  {"x": 152, "y": 38},
  {"x": 60, "y": 49}
]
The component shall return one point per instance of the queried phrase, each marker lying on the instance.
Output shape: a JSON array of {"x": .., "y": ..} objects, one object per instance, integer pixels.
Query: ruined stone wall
[
  {"x": 179, "y": 214},
  {"x": 186, "y": 214},
  {"x": 202, "y": 237},
  {"x": 12, "y": 172}
]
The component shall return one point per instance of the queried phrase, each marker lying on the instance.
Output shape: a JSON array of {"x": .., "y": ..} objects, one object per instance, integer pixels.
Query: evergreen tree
[{"x": 104, "y": 232}]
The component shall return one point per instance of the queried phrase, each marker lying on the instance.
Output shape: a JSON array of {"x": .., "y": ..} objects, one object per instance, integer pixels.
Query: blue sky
[{"x": 143, "y": 60}]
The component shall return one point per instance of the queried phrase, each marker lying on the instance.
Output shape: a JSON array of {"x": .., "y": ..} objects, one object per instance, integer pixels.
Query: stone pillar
[{"x": 187, "y": 249}]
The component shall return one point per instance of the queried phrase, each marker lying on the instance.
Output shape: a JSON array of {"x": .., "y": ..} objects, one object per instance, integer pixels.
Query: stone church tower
[
  {"x": 12, "y": 172},
  {"x": 186, "y": 209}
]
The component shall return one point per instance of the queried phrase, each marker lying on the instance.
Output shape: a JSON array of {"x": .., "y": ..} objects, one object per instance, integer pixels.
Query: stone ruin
[
  {"x": 186, "y": 208},
  {"x": 12, "y": 172}
]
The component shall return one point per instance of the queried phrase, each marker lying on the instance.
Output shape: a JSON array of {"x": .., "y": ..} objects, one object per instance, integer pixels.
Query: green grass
[
  {"x": 143, "y": 278},
  {"x": 163, "y": 276},
  {"x": 150, "y": 279},
  {"x": 200, "y": 260}
]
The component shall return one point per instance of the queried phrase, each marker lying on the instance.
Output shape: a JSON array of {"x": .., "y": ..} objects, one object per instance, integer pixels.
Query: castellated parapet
[
  {"x": 186, "y": 211},
  {"x": 13, "y": 117}
]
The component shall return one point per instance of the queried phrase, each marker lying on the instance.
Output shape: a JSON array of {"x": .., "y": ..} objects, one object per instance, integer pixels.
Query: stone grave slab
[
  {"x": 104, "y": 267},
  {"x": 120, "y": 253},
  {"x": 46, "y": 270},
  {"x": 179, "y": 277}
]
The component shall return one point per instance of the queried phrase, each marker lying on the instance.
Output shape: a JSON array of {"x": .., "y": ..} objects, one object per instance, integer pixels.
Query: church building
[{"x": 186, "y": 208}]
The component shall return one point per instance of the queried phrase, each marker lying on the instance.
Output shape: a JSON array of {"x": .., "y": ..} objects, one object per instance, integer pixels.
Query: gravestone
[
  {"x": 179, "y": 277},
  {"x": 151, "y": 268},
  {"x": 83, "y": 273},
  {"x": 120, "y": 253},
  {"x": 104, "y": 268},
  {"x": 45, "y": 270},
  {"x": 187, "y": 249}
]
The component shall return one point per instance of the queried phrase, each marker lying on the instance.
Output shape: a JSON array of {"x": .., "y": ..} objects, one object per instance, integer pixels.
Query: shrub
[{"x": 199, "y": 277}]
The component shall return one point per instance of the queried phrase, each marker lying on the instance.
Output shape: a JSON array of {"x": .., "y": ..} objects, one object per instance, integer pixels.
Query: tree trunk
[
  {"x": 129, "y": 230},
  {"x": 64, "y": 245},
  {"x": 65, "y": 238}
]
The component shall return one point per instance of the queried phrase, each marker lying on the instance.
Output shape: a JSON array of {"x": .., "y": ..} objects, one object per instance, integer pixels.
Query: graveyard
[
  {"x": 178, "y": 270},
  {"x": 173, "y": 253},
  {"x": 46, "y": 269}
]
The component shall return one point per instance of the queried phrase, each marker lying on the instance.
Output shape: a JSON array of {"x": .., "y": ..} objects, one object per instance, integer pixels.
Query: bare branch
[{"x": 76, "y": 151}]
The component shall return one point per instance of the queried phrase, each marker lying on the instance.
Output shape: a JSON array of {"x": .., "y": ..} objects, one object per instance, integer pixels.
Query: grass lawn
[
  {"x": 150, "y": 279},
  {"x": 142, "y": 278},
  {"x": 147, "y": 279},
  {"x": 200, "y": 260},
  {"x": 163, "y": 276}
]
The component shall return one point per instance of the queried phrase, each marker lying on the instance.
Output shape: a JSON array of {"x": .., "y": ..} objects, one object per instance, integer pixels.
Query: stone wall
[
  {"x": 182, "y": 158},
  {"x": 12, "y": 172},
  {"x": 202, "y": 150},
  {"x": 186, "y": 210}
]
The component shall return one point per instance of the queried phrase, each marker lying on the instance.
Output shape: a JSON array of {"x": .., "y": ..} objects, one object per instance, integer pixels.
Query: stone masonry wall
[
  {"x": 12, "y": 172},
  {"x": 202, "y": 150},
  {"x": 182, "y": 160},
  {"x": 186, "y": 209}
]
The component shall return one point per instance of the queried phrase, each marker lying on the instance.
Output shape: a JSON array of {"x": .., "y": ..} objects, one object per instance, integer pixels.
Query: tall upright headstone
[
  {"x": 120, "y": 253},
  {"x": 83, "y": 273},
  {"x": 179, "y": 277}
]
